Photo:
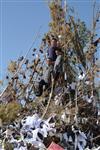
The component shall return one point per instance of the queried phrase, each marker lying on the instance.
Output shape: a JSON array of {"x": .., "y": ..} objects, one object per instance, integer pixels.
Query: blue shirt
[{"x": 52, "y": 54}]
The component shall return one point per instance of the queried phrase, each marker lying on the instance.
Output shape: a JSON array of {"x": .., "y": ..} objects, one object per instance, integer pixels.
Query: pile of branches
[{"x": 79, "y": 47}]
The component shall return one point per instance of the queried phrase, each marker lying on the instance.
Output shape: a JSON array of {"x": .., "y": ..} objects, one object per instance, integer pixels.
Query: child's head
[{"x": 53, "y": 42}]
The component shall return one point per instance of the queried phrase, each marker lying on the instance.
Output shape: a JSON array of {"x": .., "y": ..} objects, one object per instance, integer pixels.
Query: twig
[
  {"x": 95, "y": 138},
  {"x": 50, "y": 96}
]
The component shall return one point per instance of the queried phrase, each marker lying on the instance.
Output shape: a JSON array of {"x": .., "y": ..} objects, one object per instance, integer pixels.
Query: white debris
[
  {"x": 63, "y": 116},
  {"x": 81, "y": 76},
  {"x": 33, "y": 131},
  {"x": 59, "y": 36},
  {"x": 23, "y": 102},
  {"x": 31, "y": 121},
  {"x": 98, "y": 148},
  {"x": 73, "y": 85}
]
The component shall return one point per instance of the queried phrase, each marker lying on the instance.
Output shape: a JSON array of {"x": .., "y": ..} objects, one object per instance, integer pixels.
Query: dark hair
[{"x": 54, "y": 39}]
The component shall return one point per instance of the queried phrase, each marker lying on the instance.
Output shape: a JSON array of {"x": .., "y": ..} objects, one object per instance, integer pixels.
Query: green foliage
[
  {"x": 84, "y": 33},
  {"x": 8, "y": 146},
  {"x": 9, "y": 112}
]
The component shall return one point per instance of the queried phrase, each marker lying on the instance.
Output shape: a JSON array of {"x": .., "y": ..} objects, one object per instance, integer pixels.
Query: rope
[
  {"x": 37, "y": 35},
  {"x": 50, "y": 96}
]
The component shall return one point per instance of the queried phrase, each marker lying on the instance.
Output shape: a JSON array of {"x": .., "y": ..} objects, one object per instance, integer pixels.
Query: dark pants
[
  {"x": 45, "y": 82},
  {"x": 72, "y": 92}
]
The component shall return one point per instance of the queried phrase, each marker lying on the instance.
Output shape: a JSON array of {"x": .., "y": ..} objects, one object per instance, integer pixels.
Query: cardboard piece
[{"x": 54, "y": 146}]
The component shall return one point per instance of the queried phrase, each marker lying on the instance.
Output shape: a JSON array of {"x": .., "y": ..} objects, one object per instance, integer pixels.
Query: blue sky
[{"x": 20, "y": 21}]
